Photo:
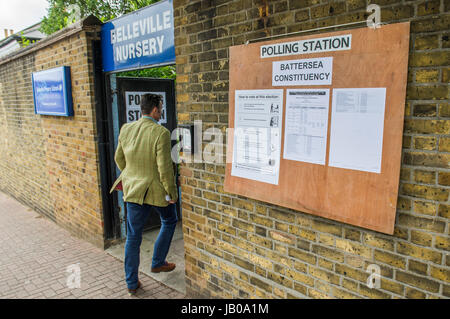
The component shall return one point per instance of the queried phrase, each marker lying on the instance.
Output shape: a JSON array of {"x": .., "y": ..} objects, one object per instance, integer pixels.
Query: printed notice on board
[
  {"x": 357, "y": 122},
  {"x": 305, "y": 136},
  {"x": 257, "y": 135},
  {"x": 317, "y": 71}
]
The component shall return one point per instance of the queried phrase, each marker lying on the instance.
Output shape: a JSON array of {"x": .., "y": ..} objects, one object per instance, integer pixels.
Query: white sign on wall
[
  {"x": 327, "y": 44},
  {"x": 317, "y": 71},
  {"x": 133, "y": 106}
]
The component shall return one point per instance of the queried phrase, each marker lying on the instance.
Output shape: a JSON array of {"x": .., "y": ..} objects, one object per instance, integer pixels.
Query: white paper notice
[
  {"x": 305, "y": 136},
  {"x": 133, "y": 106},
  {"x": 357, "y": 122},
  {"x": 257, "y": 135},
  {"x": 316, "y": 71}
]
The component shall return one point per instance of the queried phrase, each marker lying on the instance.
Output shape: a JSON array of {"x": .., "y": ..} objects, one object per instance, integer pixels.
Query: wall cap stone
[{"x": 88, "y": 23}]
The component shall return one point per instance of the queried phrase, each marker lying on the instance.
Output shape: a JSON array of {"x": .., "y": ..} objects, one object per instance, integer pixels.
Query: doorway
[
  {"x": 130, "y": 49},
  {"x": 130, "y": 91},
  {"x": 124, "y": 95}
]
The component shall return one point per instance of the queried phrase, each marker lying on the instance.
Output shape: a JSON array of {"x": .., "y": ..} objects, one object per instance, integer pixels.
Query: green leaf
[
  {"x": 58, "y": 12},
  {"x": 58, "y": 15}
]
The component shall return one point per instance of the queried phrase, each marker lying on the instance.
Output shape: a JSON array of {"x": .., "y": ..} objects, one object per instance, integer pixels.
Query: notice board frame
[{"x": 378, "y": 58}]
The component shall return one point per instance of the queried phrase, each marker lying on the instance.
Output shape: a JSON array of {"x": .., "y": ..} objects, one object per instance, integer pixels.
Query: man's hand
[{"x": 172, "y": 202}]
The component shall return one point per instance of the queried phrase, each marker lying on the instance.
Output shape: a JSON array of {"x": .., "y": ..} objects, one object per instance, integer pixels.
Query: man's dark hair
[{"x": 149, "y": 102}]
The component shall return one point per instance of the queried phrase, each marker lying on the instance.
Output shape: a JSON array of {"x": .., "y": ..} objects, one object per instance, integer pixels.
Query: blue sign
[
  {"x": 52, "y": 92},
  {"x": 141, "y": 38}
]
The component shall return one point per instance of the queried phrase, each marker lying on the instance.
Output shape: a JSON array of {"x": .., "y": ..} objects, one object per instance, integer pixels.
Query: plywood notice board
[{"x": 378, "y": 58}]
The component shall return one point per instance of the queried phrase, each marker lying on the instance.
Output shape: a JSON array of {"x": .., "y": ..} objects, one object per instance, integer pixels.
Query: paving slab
[{"x": 36, "y": 254}]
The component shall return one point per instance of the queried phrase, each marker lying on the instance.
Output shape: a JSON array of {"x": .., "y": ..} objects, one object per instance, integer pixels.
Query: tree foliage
[
  {"x": 165, "y": 72},
  {"x": 62, "y": 13},
  {"x": 24, "y": 41}
]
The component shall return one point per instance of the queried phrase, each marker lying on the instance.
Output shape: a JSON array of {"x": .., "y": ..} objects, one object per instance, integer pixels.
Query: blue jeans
[{"x": 137, "y": 216}]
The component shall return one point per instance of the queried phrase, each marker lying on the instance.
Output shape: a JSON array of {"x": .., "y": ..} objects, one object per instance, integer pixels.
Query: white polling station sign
[
  {"x": 133, "y": 106},
  {"x": 327, "y": 44}
]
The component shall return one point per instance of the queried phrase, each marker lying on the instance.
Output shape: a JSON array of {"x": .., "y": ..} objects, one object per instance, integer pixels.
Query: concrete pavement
[
  {"x": 39, "y": 259},
  {"x": 173, "y": 279}
]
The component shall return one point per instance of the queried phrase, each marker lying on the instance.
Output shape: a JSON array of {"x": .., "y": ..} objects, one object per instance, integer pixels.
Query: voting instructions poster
[
  {"x": 357, "y": 123},
  {"x": 133, "y": 106},
  {"x": 257, "y": 135},
  {"x": 305, "y": 135}
]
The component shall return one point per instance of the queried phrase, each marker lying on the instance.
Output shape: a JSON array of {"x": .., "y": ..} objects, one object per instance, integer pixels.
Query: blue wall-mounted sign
[
  {"x": 52, "y": 92},
  {"x": 141, "y": 38}
]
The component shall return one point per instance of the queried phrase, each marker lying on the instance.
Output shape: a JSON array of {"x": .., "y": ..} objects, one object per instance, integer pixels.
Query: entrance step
[{"x": 174, "y": 279}]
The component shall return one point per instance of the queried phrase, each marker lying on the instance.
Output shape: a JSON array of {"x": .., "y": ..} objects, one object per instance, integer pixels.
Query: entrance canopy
[{"x": 139, "y": 39}]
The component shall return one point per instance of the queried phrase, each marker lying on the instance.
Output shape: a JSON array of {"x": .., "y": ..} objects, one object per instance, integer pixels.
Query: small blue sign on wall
[
  {"x": 52, "y": 92},
  {"x": 138, "y": 39}
]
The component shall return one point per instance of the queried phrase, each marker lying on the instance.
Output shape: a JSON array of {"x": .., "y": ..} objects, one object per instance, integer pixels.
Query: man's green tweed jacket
[{"x": 143, "y": 156}]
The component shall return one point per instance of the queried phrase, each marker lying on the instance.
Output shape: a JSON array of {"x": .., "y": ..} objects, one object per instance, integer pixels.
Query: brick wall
[
  {"x": 50, "y": 163},
  {"x": 239, "y": 247}
]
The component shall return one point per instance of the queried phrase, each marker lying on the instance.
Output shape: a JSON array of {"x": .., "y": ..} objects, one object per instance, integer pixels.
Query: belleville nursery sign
[{"x": 138, "y": 39}]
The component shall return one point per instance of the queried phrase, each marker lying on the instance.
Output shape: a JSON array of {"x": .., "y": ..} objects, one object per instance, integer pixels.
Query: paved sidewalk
[{"x": 35, "y": 254}]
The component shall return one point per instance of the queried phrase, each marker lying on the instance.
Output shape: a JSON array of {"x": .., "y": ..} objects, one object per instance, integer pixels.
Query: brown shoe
[
  {"x": 164, "y": 268},
  {"x": 133, "y": 291}
]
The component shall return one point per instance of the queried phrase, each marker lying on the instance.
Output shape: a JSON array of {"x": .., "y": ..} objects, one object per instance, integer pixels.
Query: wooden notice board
[{"x": 378, "y": 58}]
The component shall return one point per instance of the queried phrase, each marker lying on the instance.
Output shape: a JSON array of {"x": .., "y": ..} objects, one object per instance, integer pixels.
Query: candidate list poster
[
  {"x": 306, "y": 125},
  {"x": 257, "y": 135},
  {"x": 357, "y": 125}
]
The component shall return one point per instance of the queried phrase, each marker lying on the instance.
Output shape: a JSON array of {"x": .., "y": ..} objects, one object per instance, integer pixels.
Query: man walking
[{"x": 147, "y": 180}]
